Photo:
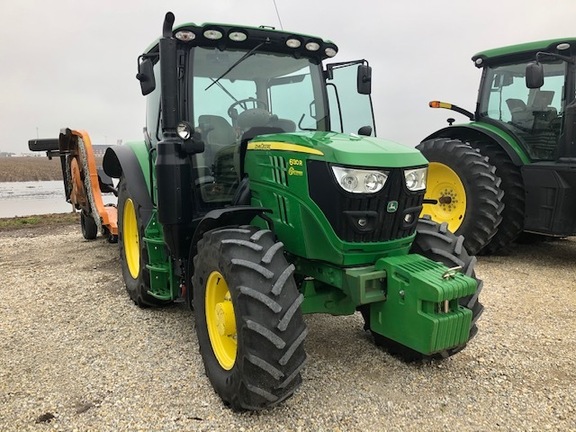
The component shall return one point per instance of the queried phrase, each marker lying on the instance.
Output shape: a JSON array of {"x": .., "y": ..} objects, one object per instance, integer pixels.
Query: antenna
[{"x": 278, "y": 15}]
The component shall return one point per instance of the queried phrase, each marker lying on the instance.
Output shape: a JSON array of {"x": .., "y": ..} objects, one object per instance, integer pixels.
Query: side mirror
[
  {"x": 534, "y": 75},
  {"x": 146, "y": 76},
  {"x": 364, "y": 79}
]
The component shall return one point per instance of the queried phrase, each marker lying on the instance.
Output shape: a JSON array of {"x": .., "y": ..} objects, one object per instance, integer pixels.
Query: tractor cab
[
  {"x": 237, "y": 83},
  {"x": 535, "y": 115}
]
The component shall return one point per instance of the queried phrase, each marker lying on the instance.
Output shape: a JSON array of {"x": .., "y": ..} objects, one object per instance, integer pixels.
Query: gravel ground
[{"x": 77, "y": 354}]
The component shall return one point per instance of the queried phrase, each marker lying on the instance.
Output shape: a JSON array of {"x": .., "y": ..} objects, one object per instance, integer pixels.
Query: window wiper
[
  {"x": 223, "y": 89},
  {"x": 240, "y": 60}
]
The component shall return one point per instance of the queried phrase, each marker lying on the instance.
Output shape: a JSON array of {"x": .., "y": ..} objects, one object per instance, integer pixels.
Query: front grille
[{"x": 343, "y": 209}]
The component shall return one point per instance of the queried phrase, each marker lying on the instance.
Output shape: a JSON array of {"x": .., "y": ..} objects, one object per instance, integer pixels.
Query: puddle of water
[{"x": 36, "y": 198}]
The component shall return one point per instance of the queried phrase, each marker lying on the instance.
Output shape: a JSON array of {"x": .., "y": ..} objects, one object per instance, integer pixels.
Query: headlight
[
  {"x": 416, "y": 179},
  {"x": 360, "y": 181}
]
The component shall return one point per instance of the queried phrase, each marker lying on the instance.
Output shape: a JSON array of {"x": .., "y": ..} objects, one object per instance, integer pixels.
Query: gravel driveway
[{"x": 77, "y": 354}]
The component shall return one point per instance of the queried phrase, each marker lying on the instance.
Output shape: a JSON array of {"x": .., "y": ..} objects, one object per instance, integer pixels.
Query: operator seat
[
  {"x": 520, "y": 115},
  {"x": 217, "y": 134},
  {"x": 539, "y": 103}
]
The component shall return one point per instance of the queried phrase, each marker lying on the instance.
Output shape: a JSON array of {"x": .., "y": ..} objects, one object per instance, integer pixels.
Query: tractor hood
[{"x": 345, "y": 149}]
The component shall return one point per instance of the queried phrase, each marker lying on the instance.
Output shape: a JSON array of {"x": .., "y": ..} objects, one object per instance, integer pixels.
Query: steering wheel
[{"x": 244, "y": 104}]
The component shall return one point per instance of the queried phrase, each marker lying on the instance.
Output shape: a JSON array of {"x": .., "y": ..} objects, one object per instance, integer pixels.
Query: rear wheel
[
  {"x": 465, "y": 189},
  {"x": 133, "y": 253},
  {"x": 436, "y": 242},
  {"x": 248, "y": 319},
  {"x": 513, "y": 187}
]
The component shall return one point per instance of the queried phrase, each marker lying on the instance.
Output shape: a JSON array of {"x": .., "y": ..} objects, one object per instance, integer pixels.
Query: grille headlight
[
  {"x": 360, "y": 181},
  {"x": 416, "y": 179}
]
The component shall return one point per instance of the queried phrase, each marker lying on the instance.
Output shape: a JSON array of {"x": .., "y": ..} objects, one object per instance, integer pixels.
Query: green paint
[
  {"x": 413, "y": 313},
  {"x": 353, "y": 150},
  {"x": 298, "y": 221},
  {"x": 502, "y": 134},
  {"x": 163, "y": 283},
  {"x": 141, "y": 151},
  {"x": 529, "y": 47}
]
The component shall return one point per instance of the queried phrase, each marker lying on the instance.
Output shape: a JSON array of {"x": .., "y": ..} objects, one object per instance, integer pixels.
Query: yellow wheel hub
[
  {"x": 220, "y": 320},
  {"x": 131, "y": 239},
  {"x": 445, "y": 186}
]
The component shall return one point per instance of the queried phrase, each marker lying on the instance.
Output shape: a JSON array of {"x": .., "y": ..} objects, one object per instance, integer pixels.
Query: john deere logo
[{"x": 392, "y": 206}]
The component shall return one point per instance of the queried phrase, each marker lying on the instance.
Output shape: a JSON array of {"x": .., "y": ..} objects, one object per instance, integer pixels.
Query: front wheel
[{"x": 248, "y": 319}]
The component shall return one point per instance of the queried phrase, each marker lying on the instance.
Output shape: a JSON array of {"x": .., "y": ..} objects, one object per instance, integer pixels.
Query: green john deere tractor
[
  {"x": 510, "y": 171},
  {"x": 260, "y": 194}
]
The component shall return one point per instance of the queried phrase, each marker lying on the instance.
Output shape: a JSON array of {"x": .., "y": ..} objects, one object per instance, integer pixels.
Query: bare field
[{"x": 16, "y": 169}]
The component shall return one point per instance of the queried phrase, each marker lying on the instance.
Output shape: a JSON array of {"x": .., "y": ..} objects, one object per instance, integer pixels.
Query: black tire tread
[
  {"x": 270, "y": 326},
  {"x": 88, "y": 226},
  {"x": 513, "y": 187},
  {"x": 482, "y": 186}
]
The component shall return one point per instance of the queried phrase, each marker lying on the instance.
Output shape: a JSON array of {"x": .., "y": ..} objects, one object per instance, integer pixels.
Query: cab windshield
[
  {"x": 264, "y": 93},
  {"x": 276, "y": 90}
]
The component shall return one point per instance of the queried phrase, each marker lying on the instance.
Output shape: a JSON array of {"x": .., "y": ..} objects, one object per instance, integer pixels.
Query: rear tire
[
  {"x": 248, "y": 319},
  {"x": 434, "y": 241},
  {"x": 133, "y": 253},
  {"x": 88, "y": 226},
  {"x": 466, "y": 188},
  {"x": 513, "y": 187}
]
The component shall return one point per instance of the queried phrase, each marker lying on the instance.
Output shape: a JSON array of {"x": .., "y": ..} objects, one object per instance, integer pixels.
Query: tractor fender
[
  {"x": 237, "y": 215},
  {"x": 472, "y": 132},
  {"x": 122, "y": 161}
]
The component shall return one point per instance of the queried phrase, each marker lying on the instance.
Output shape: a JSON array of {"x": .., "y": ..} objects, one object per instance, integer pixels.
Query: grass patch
[{"x": 39, "y": 221}]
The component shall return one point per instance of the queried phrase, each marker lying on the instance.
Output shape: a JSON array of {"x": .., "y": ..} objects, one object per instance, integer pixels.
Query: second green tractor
[{"x": 510, "y": 173}]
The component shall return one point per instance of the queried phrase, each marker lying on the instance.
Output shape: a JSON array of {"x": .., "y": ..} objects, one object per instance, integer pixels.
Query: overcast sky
[{"x": 72, "y": 64}]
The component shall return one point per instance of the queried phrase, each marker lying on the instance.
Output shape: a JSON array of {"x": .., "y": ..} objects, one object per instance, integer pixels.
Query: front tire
[
  {"x": 467, "y": 191},
  {"x": 248, "y": 319}
]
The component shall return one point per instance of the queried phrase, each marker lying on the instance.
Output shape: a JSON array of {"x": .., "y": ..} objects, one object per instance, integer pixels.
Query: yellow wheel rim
[
  {"x": 131, "y": 239},
  {"x": 445, "y": 186},
  {"x": 220, "y": 320}
]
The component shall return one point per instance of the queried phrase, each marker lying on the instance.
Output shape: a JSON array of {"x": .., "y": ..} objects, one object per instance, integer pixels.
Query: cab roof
[
  {"x": 297, "y": 44},
  {"x": 518, "y": 52}
]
